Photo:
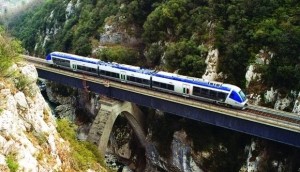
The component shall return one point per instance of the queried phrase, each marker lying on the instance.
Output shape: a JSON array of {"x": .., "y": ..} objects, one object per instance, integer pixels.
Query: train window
[
  {"x": 115, "y": 75},
  {"x": 102, "y": 72},
  {"x": 82, "y": 68},
  {"x": 130, "y": 78},
  {"x": 145, "y": 81},
  {"x": 196, "y": 91},
  {"x": 61, "y": 62},
  {"x": 234, "y": 95},
  {"x": 139, "y": 80},
  {"x": 221, "y": 96},
  {"x": 162, "y": 85},
  {"x": 170, "y": 87},
  {"x": 110, "y": 74},
  {"x": 204, "y": 92},
  {"x": 212, "y": 94},
  {"x": 155, "y": 84},
  {"x": 243, "y": 96}
]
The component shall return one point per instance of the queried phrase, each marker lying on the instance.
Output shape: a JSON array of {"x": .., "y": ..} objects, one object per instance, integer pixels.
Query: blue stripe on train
[{"x": 148, "y": 72}]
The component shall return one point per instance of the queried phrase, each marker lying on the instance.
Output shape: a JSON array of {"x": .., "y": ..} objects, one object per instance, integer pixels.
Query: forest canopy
[{"x": 175, "y": 34}]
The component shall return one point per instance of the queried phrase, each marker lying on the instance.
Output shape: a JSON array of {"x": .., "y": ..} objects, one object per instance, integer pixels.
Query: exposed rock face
[
  {"x": 115, "y": 33},
  {"x": 252, "y": 160},
  {"x": 282, "y": 104},
  {"x": 253, "y": 79},
  {"x": 180, "y": 160},
  {"x": 212, "y": 64},
  {"x": 296, "y": 108},
  {"x": 182, "y": 151},
  {"x": 88, "y": 101},
  {"x": 77, "y": 99},
  {"x": 269, "y": 157},
  {"x": 27, "y": 128},
  {"x": 65, "y": 111},
  {"x": 270, "y": 95},
  {"x": 251, "y": 75},
  {"x": 65, "y": 108},
  {"x": 256, "y": 87}
]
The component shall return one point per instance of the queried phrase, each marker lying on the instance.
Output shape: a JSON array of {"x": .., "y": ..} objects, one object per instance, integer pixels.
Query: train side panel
[
  {"x": 168, "y": 82},
  {"x": 167, "y": 85}
]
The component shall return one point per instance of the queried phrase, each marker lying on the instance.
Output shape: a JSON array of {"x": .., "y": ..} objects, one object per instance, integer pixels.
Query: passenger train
[{"x": 195, "y": 88}]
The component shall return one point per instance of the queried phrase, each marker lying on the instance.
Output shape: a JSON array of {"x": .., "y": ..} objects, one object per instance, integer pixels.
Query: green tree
[
  {"x": 83, "y": 46},
  {"x": 119, "y": 54},
  {"x": 185, "y": 56},
  {"x": 164, "y": 23},
  {"x": 192, "y": 65},
  {"x": 153, "y": 54}
]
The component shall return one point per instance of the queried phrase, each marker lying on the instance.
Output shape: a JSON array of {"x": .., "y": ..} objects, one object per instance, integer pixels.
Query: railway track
[
  {"x": 34, "y": 59},
  {"x": 274, "y": 114}
]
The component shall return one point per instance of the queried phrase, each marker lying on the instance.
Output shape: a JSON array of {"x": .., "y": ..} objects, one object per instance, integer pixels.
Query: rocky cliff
[{"x": 29, "y": 140}]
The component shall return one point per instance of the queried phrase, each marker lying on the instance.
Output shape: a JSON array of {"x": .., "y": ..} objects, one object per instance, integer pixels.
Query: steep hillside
[
  {"x": 253, "y": 44},
  {"x": 173, "y": 35},
  {"x": 29, "y": 140}
]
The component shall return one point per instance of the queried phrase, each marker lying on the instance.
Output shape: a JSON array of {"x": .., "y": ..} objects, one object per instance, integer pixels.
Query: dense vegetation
[
  {"x": 84, "y": 155},
  {"x": 180, "y": 31},
  {"x": 176, "y": 35},
  {"x": 9, "y": 52}
]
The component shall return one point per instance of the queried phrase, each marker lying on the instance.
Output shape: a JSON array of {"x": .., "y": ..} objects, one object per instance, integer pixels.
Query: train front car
[
  {"x": 236, "y": 98},
  {"x": 58, "y": 59},
  {"x": 73, "y": 62},
  {"x": 49, "y": 59}
]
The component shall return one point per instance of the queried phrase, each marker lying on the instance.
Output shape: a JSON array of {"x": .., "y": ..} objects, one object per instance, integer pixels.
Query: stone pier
[{"x": 109, "y": 111}]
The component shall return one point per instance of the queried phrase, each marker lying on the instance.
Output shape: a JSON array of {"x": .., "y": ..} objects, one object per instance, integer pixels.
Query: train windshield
[
  {"x": 242, "y": 95},
  {"x": 48, "y": 57}
]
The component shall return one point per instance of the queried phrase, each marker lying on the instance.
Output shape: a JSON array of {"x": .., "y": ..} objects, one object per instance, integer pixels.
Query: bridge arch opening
[
  {"x": 126, "y": 141},
  {"x": 119, "y": 127}
]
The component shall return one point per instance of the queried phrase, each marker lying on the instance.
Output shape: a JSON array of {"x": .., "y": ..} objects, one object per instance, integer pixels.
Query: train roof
[
  {"x": 127, "y": 67},
  {"x": 193, "y": 80},
  {"x": 75, "y": 57},
  {"x": 97, "y": 61},
  {"x": 162, "y": 74}
]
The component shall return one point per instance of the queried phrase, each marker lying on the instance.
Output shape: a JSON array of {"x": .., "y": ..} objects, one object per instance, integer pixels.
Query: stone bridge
[{"x": 104, "y": 121}]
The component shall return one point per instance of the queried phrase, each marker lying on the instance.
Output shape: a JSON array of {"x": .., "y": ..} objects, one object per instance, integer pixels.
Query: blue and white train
[{"x": 191, "y": 87}]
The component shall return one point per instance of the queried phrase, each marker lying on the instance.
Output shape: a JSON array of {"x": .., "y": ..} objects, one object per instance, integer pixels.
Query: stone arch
[{"x": 104, "y": 121}]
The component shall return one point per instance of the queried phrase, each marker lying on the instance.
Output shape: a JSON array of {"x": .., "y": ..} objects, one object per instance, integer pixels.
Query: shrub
[
  {"x": 9, "y": 52},
  {"x": 21, "y": 82},
  {"x": 118, "y": 54},
  {"x": 84, "y": 155},
  {"x": 12, "y": 163}
]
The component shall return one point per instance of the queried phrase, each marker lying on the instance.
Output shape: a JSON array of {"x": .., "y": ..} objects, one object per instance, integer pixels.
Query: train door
[
  {"x": 185, "y": 89},
  {"x": 123, "y": 76},
  {"x": 74, "y": 67}
]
